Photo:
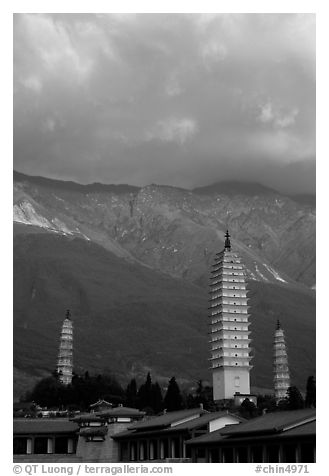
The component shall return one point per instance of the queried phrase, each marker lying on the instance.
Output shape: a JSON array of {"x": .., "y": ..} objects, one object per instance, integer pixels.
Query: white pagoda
[
  {"x": 230, "y": 342},
  {"x": 65, "y": 353},
  {"x": 280, "y": 365}
]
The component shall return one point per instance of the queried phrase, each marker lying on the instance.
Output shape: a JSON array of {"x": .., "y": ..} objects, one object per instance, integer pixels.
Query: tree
[
  {"x": 173, "y": 398},
  {"x": 248, "y": 409},
  {"x": 145, "y": 394},
  {"x": 266, "y": 403},
  {"x": 48, "y": 392},
  {"x": 203, "y": 396},
  {"x": 149, "y": 396},
  {"x": 83, "y": 391},
  {"x": 131, "y": 394},
  {"x": 294, "y": 399},
  {"x": 310, "y": 399},
  {"x": 200, "y": 397},
  {"x": 157, "y": 400}
]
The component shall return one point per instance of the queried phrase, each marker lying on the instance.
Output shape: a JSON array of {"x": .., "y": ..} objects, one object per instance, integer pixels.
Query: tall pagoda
[
  {"x": 230, "y": 343},
  {"x": 65, "y": 353},
  {"x": 280, "y": 364}
]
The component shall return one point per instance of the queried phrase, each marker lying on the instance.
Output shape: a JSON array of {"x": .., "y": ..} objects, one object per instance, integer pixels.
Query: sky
[{"x": 177, "y": 99}]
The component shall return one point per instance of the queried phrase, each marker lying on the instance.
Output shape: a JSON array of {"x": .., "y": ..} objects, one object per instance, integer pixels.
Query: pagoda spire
[{"x": 227, "y": 241}]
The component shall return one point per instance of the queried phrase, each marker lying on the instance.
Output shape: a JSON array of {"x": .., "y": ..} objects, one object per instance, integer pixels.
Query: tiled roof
[
  {"x": 94, "y": 431},
  {"x": 203, "y": 420},
  {"x": 125, "y": 434},
  {"x": 23, "y": 426},
  {"x": 86, "y": 417},
  {"x": 102, "y": 403},
  {"x": 143, "y": 430},
  {"x": 213, "y": 437},
  {"x": 271, "y": 424},
  {"x": 302, "y": 430},
  {"x": 121, "y": 411},
  {"x": 167, "y": 419}
]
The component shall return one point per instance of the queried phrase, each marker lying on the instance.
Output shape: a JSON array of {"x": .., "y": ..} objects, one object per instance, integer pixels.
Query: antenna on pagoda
[{"x": 227, "y": 241}]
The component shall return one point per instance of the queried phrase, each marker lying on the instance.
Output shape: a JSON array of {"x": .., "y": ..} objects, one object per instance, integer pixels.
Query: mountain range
[{"x": 132, "y": 264}]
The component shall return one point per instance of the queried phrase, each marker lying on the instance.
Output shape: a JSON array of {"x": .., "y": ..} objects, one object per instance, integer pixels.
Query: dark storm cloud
[{"x": 178, "y": 99}]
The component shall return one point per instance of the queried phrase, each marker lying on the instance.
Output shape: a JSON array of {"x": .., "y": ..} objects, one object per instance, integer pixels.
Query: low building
[
  {"x": 279, "y": 437},
  {"x": 163, "y": 437},
  {"x": 85, "y": 437},
  {"x": 95, "y": 437},
  {"x": 45, "y": 439}
]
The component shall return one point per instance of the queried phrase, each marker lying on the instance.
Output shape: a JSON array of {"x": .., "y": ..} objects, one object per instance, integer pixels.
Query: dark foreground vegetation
[{"x": 85, "y": 390}]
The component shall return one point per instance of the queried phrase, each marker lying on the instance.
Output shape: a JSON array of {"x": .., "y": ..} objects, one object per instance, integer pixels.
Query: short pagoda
[
  {"x": 230, "y": 342},
  {"x": 65, "y": 353},
  {"x": 280, "y": 364}
]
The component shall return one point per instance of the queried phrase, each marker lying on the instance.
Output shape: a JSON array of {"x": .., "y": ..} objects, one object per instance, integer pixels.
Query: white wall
[
  {"x": 224, "y": 383},
  {"x": 221, "y": 422}
]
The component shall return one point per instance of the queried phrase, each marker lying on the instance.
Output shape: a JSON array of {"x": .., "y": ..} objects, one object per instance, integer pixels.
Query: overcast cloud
[{"x": 183, "y": 100}]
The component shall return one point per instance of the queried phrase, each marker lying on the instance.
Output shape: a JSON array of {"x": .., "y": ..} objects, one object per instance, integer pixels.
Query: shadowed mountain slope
[{"x": 129, "y": 318}]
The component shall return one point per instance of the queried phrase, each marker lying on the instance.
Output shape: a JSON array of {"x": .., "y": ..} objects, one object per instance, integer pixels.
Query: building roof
[
  {"x": 213, "y": 437},
  {"x": 302, "y": 430},
  {"x": 272, "y": 422},
  {"x": 140, "y": 430},
  {"x": 247, "y": 395},
  {"x": 101, "y": 403},
  {"x": 167, "y": 419},
  {"x": 93, "y": 431},
  {"x": 127, "y": 434},
  {"x": 204, "y": 420},
  {"x": 276, "y": 424},
  {"x": 24, "y": 426},
  {"x": 86, "y": 418},
  {"x": 121, "y": 412}
]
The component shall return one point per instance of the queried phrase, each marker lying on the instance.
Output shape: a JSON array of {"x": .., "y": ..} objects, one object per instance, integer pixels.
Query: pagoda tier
[
  {"x": 281, "y": 373},
  {"x": 215, "y": 319},
  {"x": 65, "y": 353},
  {"x": 228, "y": 322},
  {"x": 229, "y": 342},
  {"x": 225, "y": 285}
]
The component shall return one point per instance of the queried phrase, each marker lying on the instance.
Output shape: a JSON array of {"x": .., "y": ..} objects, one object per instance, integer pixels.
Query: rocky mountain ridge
[{"x": 179, "y": 231}]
